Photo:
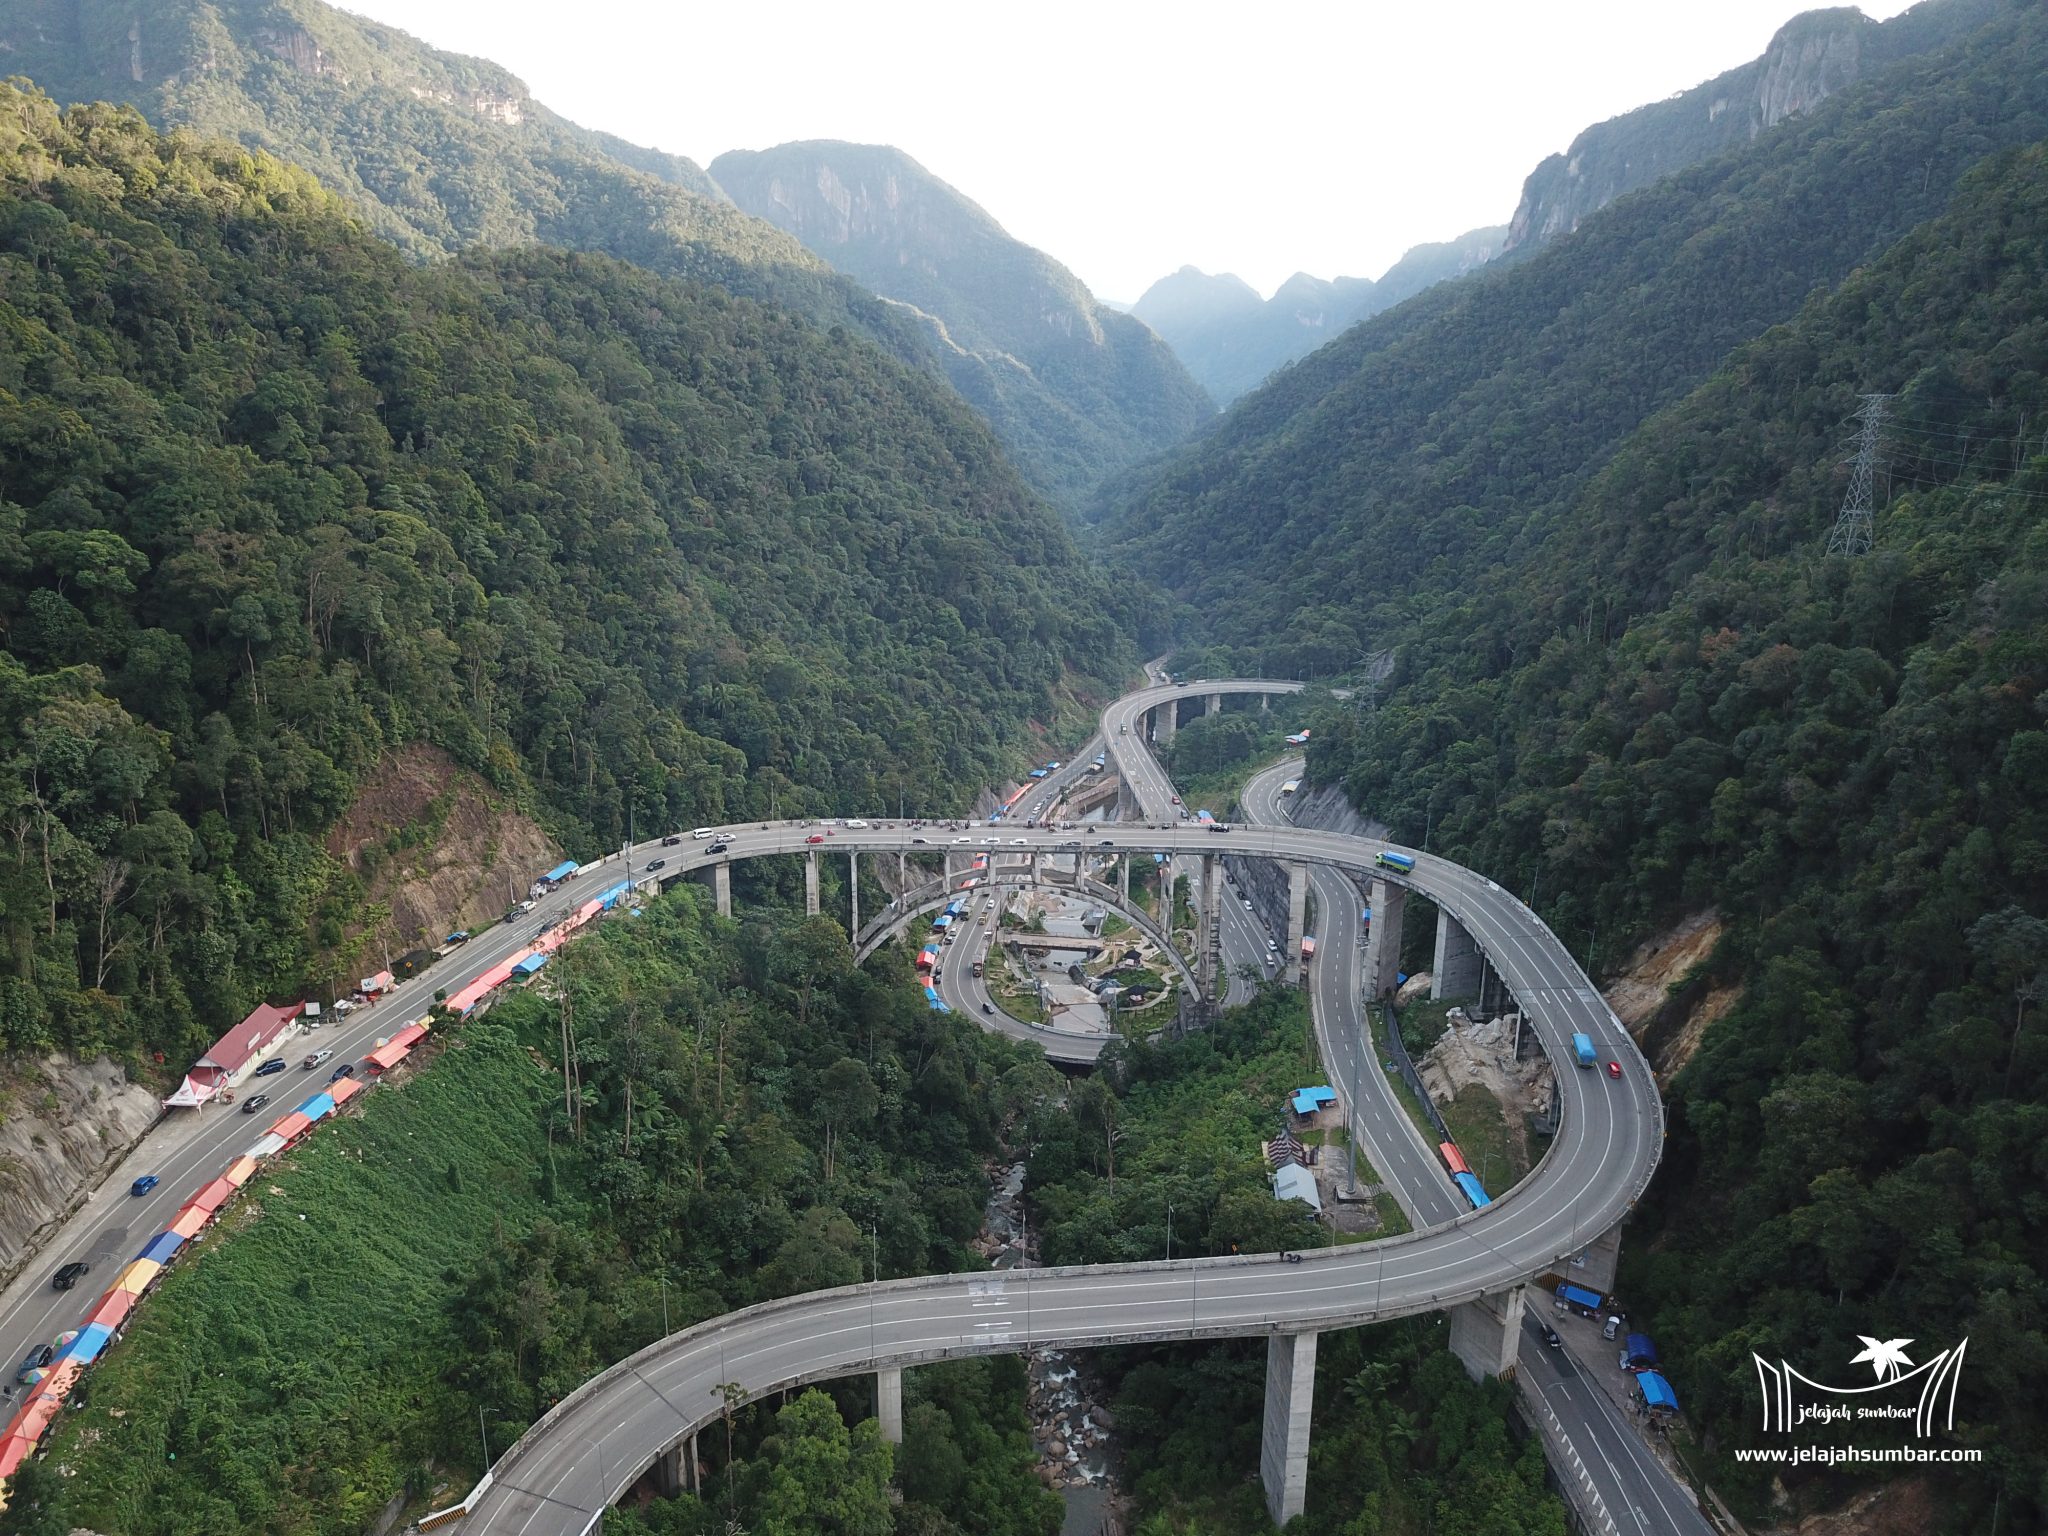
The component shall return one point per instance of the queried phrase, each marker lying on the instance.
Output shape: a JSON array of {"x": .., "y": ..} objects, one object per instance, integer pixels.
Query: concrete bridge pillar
[
  {"x": 671, "y": 1469},
  {"x": 1123, "y": 866},
  {"x": 1209, "y": 925},
  {"x": 811, "y": 883},
  {"x": 1484, "y": 1334},
  {"x": 1297, "y": 909},
  {"x": 1215, "y": 705},
  {"x": 1283, "y": 1443},
  {"x": 1164, "y": 721},
  {"x": 1265, "y": 703},
  {"x": 1456, "y": 971},
  {"x": 1594, "y": 1265},
  {"x": 1383, "y": 942},
  {"x": 853, "y": 890},
  {"x": 889, "y": 1404},
  {"x": 721, "y": 888}
]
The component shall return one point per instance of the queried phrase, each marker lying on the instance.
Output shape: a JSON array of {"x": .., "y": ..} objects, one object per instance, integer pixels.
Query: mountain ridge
[{"x": 1006, "y": 311}]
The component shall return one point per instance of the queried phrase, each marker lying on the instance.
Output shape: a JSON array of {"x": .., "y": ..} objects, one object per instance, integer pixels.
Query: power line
[{"x": 1852, "y": 531}]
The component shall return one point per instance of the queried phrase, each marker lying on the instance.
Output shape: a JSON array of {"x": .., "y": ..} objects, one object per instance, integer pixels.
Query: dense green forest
[
  {"x": 272, "y": 500},
  {"x": 1680, "y": 703},
  {"x": 443, "y": 154},
  {"x": 1404, "y": 1442},
  {"x": 1377, "y": 480},
  {"x": 748, "y": 1107}
]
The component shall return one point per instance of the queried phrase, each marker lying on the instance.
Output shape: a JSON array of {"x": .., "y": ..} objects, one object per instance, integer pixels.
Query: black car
[
  {"x": 716, "y": 848},
  {"x": 346, "y": 1070},
  {"x": 256, "y": 1103},
  {"x": 654, "y": 864},
  {"x": 1107, "y": 842},
  {"x": 670, "y": 842},
  {"x": 1550, "y": 1338},
  {"x": 988, "y": 1008},
  {"x": 271, "y": 1068},
  {"x": 70, "y": 1275}
]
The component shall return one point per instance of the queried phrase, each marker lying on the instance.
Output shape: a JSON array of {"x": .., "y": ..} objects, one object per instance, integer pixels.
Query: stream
[{"x": 1070, "y": 1429}]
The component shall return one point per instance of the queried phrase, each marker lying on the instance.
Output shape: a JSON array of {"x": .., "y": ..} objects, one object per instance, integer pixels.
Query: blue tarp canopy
[
  {"x": 609, "y": 899},
  {"x": 1308, "y": 1100},
  {"x": 1579, "y": 1296},
  {"x": 1640, "y": 1350},
  {"x": 561, "y": 871},
  {"x": 162, "y": 1247},
  {"x": 1656, "y": 1391},
  {"x": 531, "y": 964},
  {"x": 318, "y": 1107},
  {"x": 92, "y": 1338}
]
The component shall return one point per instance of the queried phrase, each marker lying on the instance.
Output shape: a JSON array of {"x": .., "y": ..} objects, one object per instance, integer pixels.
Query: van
[
  {"x": 701, "y": 832},
  {"x": 316, "y": 1058}
]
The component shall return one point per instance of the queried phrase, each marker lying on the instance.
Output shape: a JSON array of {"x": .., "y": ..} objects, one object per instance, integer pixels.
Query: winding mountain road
[{"x": 567, "y": 1468}]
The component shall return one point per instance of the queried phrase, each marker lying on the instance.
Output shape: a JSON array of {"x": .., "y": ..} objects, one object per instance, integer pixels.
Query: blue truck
[
  {"x": 1395, "y": 861},
  {"x": 1582, "y": 1047}
]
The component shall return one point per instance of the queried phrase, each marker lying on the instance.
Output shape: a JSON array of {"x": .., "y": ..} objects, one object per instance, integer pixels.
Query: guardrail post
[
  {"x": 889, "y": 1404},
  {"x": 1283, "y": 1442}
]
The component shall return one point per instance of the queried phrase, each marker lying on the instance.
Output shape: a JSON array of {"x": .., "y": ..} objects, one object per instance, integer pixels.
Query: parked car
[
  {"x": 654, "y": 864},
  {"x": 346, "y": 1069},
  {"x": 316, "y": 1059},
  {"x": 143, "y": 1185},
  {"x": 255, "y": 1102},
  {"x": 271, "y": 1067},
  {"x": 70, "y": 1275},
  {"x": 33, "y": 1362},
  {"x": 459, "y": 936}
]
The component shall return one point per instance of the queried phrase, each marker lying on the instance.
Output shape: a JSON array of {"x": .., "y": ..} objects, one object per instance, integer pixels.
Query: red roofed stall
[{"x": 228, "y": 1057}]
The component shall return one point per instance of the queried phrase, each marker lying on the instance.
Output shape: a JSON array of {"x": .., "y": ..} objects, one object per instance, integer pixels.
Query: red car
[
  {"x": 1614, "y": 1069},
  {"x": 815, "y": 837}
]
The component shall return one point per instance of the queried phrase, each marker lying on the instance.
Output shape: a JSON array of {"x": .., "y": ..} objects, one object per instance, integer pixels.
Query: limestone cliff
[
  {"x": 62, "y": 1123},
  {"x": 1813, "y": 56}
]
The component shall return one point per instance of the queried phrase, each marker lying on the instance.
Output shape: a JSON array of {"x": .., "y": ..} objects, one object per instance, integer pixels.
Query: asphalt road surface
[{"x": 565, "y": 1470}]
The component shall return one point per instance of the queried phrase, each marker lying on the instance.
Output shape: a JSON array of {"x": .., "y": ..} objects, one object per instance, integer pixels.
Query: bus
[
  {"x": 1469, "y": 1186},
  {"x": 1453, "y": 1158},
  {"x": 1290, "y": 787},
  {"x": 1308, "y": 948},
  {"x": 1400, "y": 862}
]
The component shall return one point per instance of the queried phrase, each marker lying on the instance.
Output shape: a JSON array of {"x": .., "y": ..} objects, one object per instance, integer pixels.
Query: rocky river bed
[{"x": 1069, "y": 1424}]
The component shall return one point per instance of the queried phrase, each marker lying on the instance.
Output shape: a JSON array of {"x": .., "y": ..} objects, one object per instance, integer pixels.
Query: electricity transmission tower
[{"x": 1851, "y": 533}]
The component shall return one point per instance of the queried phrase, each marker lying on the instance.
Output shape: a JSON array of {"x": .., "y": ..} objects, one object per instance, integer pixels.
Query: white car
[
  {"x": 958, "y": 840},
  {"x": 1020, "y": 842},
  {"x": 856, "y": 825},
  {"x": 988, "y": 842}
]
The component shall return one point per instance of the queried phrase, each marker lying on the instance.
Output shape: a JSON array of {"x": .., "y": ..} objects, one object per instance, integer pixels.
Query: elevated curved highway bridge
[{"x": 587, "y": 1451}]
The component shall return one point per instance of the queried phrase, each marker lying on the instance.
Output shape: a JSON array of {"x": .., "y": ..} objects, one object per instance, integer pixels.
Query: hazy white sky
[{"x": 1128, "y": 137}]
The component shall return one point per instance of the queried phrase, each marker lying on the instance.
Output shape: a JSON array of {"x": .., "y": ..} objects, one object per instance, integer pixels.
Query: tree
[{"x": 825, "y": 1481}]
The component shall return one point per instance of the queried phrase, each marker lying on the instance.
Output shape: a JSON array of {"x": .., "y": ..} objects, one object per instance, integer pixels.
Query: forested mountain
[
  {"x": 441, "y": 153},
  {"x": 272, "y": 499},
  {"x": 1812, "y": 56},
  {"x": 1641, "y": 691},
  {"x": 1231, "y": 339},
  {"x": 1077, "y": 389},
  {"x": 1440, "y": 438}
]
